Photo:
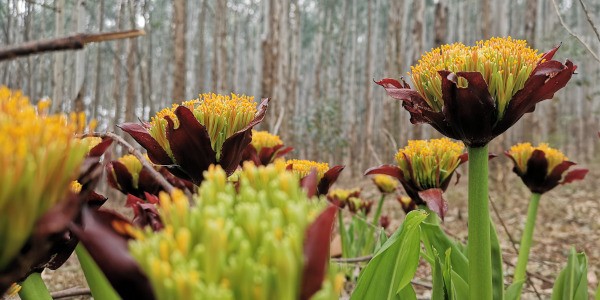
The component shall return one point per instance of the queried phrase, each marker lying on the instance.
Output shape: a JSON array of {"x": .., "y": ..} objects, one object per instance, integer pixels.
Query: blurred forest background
[{"x": 315, "y": 59}]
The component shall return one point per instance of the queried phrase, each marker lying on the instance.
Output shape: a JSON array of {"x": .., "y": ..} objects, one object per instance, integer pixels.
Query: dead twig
[
  {"x": 155, "y": 175},
  {"x": 562, "y": 22},
  {"x": 352, "y": 260},
  {"x": 73, "y": 42},
  {"x": 72, "y": 292},
  {"x": 589, "y": 19}
]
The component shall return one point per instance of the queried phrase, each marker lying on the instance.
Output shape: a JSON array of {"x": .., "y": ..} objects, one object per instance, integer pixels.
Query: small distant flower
[
  {"x": 356, "y": 204},
  {"x": 476, "y": 93},
  {"x": 542, "y": 168},
  {"x": 425, "y": 169},
  {"x": 407, "y": 204},
  {"x": 188, "y": 138},
  {"x": 384, "y": 222},
  {"x": 386, "y": 184},
  {"x": 262, "y": 225},
  {"x": 325, "y": 176},
  {"x": 264, "y": 148},
  {"x": 339, "y": 197}
]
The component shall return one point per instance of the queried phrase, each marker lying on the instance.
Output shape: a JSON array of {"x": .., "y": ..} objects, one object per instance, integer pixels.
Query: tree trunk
[
  {"x": 200, "y": 61},
  {"x": 179, "y": 72},
  {"x": 58, "y": 78},
  {"x": 97, "y": 86},
  {"x": 441, "y": 22}
]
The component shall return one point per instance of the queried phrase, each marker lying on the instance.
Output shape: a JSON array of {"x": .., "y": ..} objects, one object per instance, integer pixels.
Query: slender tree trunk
[
  {"x": 78, "y": 89},
  {"x": 200, "y": 60},
  {"x": 179, "y": 72},
  {"x": 530, "y": 122},
  {"x": 97, "y": 86},
  {"x": 130, "y": 94},
  {"x": 441, "y": 22},
  {"x": 117, "y": 67},
  {"x": 58, "y": 78}
]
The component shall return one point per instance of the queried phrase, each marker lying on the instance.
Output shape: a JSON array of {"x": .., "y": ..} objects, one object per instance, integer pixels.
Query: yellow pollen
[
  {"x": 343, "y": 194},
  {"x": 91, "y": 142},
  {"x": 304, "y": 167},
  {"x": 430, "y": 162},
  {"x": 221, "y": 115},
  {"x": 505, "y": 64},
  {"x": 76, "y": 187},
  {"x": 521, "y": 153},
  {"x": 263, "y": 139},
  {"x": 13, "y": 290},
  {"x": 134, "y": 166},
  {"x": 385, "y": 183}
]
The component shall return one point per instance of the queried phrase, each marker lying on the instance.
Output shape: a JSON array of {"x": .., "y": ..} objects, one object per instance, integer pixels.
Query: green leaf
[
  {"x": 513, "y": 292},
  {"x": 394, "y": 265},
  {"x": 460, "y": 286},
  {"x": 497, "y": 276},
  {"x": 407, "y": 293},
  {"x": 433, "y": 235},
  {"x": 571, "y": 283},
  {"x": 598, "y": 292},
  {"x": 438, "y": 291}
]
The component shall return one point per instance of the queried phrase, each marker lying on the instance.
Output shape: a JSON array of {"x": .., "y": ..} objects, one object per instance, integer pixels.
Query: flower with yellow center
[
  {"x": 475, "y": 93},
  {"x": 128, "y": 175},
  {"x": 187, "y": 138},
  {"x": 339, "y": 197},
  {"x": 325, "y": 176},
  {"x": 541, "y": 168},
  {"x": 386, "y": 184},
  {"x": 40, "y": 157},
  {"x": 265, "y": 148},
  {"x": 424, "y": 169},
  {"x": 258, "y": 227}
]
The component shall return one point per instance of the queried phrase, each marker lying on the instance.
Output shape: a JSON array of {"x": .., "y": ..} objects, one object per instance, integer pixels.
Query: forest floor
[{"x": 567, "y": 217}]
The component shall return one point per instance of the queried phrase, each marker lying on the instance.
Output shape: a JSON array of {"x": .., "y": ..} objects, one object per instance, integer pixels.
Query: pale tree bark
[
  {"x": 292, "y": 84},
  {"x": 364, "y": 153},
  {"x": 78, "y": 89},
  {"x": 116, "y": 93},
  {"x": 270, "y": 55},
  {"x": 393, "y": 68},
  {"x": 97, "y": 86},
  {"x": 440, "y": 23},
  {"x": 418, "y": 44},
  {"x": 130, "y": 94},
  {"x": 200, "y": 60},
  {"x": 58, "y": 78},
  {"x": 223, "y": 78},
  {"x": 486, "y": 19},
  {"x": 179, "y": 52},
  {"x": 530, "y": 129}
]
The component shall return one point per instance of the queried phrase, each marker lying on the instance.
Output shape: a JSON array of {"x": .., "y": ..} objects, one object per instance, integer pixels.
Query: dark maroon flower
[
  {"x": 542, "y": 168},
  {"x": 473, "y": 94},
  {"x": 145, "y": 212},
  {"x": 325, "y": 176},
  {"x": 264, "y": 148},
  {"x": 190, "y": 137}
]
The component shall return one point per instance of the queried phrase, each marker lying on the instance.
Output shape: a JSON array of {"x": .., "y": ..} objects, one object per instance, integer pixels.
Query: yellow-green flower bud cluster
[{"x": 235, "y": 242}]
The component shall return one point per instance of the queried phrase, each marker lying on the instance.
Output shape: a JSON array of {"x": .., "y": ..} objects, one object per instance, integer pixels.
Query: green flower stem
[
  {"x": 526, "y": 239},
  {"x": 343, "y": 236},
  {"x": 33, "y": 288},
  {"x": 99, "y": 285},
  {"x": 479, "y": 247},
  {"x": 378, "y": 211}
]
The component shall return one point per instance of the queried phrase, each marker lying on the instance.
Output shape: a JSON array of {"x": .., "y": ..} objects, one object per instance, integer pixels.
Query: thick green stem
[
  {"x": 378, "y": 211},
  {"x": 33, "y": 288},
  {"x": 527, "y": 238},
  {"x": 99, "y": 285},
  {"x": 479, "y": 247}
]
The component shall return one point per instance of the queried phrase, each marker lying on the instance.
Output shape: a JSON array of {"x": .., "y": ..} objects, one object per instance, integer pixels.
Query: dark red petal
[
  {"x": 578, "y": 174},
  {"x": 147, "y": 216},
  {"x": 190, "y": 144},
  {"x": 463, "y": 157},
  {"x": 99, "y": 149},
  {"x": 233, "y": 148},
  {"x": 147, "y": 183},
  {"x": 250, "y": 154},
  {"x": 109, "y": 249},
  {"x": 266, "y": 154},
  {"x": 111, "y": 177},
  {"x": 547, "y": 78},
  {"x": 309, "y": 183},
  {"x": 316, "y": 252},
  {"x": 390, "y": 170},
  {"x": 140, "y": 134},
  {"x": 556, "y": 173},
  {"x": 329, "y": 179},
  {"x": 124, "y": 178},
  {"x": 435, "y": 201},
  {"x": 470, "y": 111},
  {"x": 537, "y": 169},
  {"x": 283, "y": 152},
  {"x": 549, "y": 55},
  {"x": 390, "y": 83}
]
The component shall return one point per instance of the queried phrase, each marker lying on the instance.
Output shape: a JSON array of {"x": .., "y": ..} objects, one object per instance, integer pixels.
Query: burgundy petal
[
  {"x": 537, "y": 169},
  {"x": 147, "y": 216},
  {"x": 281, "y": 152},
  {"x": 140, "y": 134},
  {"x": 549, "y": 55},
  {"x": 266, "y": 154},
  {"x": 109, "y": 249},
  {"x": 309, "y": 183},
  {"x": 316, "y": 252},
  {"x": 329, "y": 179},
  {"x": 190, "y": 144},
  {"x": 124, "y": 178},
  {"x": 250, "y": 154},
  {"x": 147, "y": 183},
  {"x": 470, "y": 111},
  {"x": 99, "y": 149},
  {"x": 390, "y": 170},
  {"x": 556, "y": 173},
  {"x": 411, "y": 100},
  {"x": 578, "y": 174},
  {"x": 435, "y": 201}
]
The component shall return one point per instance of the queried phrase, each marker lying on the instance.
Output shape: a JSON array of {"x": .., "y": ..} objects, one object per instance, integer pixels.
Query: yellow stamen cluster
[
  {"x": 385, "y": 184},
  {"x": 221, "y": 115},
  {"x": 263, "y": 139},
  {"x": 76, "y": 187},
  {"x": 521, "y": 153},
  {"x": 40, "y": 158},
  {"x": 206, "y": 251},
  {"x": 505, "y": 64},
  {"x": 304, "y": 167},
  {"x": 134, "y": 166},
  {"x": 430, "y": 162},
  {"x": 13, "y": 290},
  {"x": 343, "y": 194}
]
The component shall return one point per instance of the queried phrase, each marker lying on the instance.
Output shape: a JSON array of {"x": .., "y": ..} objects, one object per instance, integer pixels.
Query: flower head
[
  {"x": 340, "y": 197},
  {"x": 425, "y": 169},
  {"x": 189, "y": 137},
  {"x": 264, "y": 148},
  {"x": 386, "y": 184},
  {"x": 258, "y": 228},
  {"x": 325, "y": 176},
  {"x": 475, "y": 93},
  {"x": 541, "y": 168}
]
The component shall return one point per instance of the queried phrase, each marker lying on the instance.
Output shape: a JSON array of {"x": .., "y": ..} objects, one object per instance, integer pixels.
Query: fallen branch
[
  {"x": 73, "y": 42},
  {"x": 72, "y": 292},
  {"x": 562, "y": 22}
]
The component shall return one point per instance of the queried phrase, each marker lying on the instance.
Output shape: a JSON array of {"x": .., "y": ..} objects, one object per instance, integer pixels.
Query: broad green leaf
[
  {"x": 460, "y": 286},
  {"x": 598, "y": 292},
  {"x": 438, "y": 292},
  {"x": 497, "y": 276},
  {"x": 513, "y": 292},
  {"x": 407, "y": 293},
  {"x": 433, "y": 235},
  {"x": 571, "y": 283},
  {"x": 394, "y": 265}
]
